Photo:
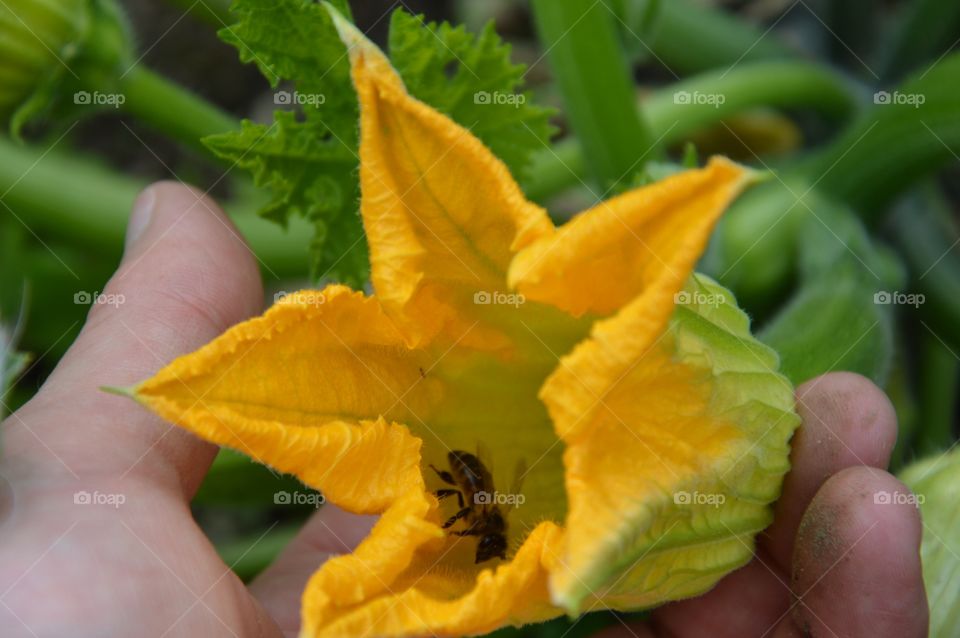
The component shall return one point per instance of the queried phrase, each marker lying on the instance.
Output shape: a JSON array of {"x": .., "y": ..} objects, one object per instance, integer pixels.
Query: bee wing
[{"x": 485, "y": 455}]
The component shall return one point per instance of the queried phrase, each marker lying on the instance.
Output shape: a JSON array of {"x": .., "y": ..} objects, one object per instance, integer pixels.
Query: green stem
[
  {"x": 554, "y": 169},
  {"x": 87, "y": 204},
  {"x": 894, "y": 144},
  {"x": 781, "y": 84},
  {"x": 66, "y": 196},
  {"x": 173, "y": 110},
  {"x": 878, "y": 157},
  {"x": 777, "y": 84},
  {"x": 692, "y": 36},
  {"x": 584, "y": 51}
]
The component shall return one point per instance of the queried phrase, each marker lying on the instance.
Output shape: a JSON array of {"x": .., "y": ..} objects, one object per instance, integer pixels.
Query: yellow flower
[{"x": 654, "y": 434}]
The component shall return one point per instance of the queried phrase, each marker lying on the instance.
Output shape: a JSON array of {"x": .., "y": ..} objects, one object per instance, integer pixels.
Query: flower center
[{"x": 487, "y": 405}]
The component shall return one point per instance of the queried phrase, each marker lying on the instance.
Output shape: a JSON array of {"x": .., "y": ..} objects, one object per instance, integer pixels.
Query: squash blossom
[{"x": 650, "y": 430}]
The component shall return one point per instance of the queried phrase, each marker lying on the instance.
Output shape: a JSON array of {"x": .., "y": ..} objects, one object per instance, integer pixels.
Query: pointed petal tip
[
  {"x": 345, "y": 29},
  {"x": 749, "y": 176},
  {"x": 759, "y": 177},
  {"x": 358, "y": 45},
  {"x": 566, "y": 602},
  {"x": 128, "y": 391}
]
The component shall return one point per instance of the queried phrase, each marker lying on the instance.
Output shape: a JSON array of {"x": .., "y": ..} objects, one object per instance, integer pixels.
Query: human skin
[{"x": 833, "y": 563}]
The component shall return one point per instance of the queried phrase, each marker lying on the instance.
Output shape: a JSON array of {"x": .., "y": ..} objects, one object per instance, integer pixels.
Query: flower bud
[{"x": 55, "y": 49}]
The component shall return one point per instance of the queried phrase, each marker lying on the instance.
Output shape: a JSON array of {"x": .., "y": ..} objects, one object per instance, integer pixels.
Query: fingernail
[{"x": 141, "y": 215}]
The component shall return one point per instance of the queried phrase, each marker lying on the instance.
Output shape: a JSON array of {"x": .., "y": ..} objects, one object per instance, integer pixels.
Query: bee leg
[
  {"x": 442, "y": 494},
  {"x": 470, "y": 531},
  {"x": 446, "y": 477},
  {"x": 456, "y": 517}
]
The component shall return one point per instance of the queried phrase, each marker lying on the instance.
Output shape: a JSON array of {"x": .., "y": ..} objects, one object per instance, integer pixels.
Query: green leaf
[
  {"x": 311, "y": 173},
  {"x": 471, "y": 79},
  {"x": 308, "y": 158},
  {"x": 597, "y": 87},
  {"x": 832, "y": 327},
  {"x": 936, "y": 482},
  {"x": 841, "y": 317}
]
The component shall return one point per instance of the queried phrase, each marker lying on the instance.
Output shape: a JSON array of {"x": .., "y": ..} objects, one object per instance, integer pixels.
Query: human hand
[
  {"x": 145, "y": 568},
  {"x": 835, "y": 562}
]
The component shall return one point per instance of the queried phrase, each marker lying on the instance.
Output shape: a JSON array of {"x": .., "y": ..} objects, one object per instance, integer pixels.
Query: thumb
[{"x": 186, "y": 275}]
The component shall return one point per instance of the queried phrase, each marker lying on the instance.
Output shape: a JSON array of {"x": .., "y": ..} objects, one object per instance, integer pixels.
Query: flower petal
[
  {"x": 338, "y": 371},
  {"x": 442, "y": 214},
  {"x": 652, "y": 236},
  {"x": 677, "y": 441},
  {"x": 357, "y": 595},
  {"x": 330, "y": 364}
]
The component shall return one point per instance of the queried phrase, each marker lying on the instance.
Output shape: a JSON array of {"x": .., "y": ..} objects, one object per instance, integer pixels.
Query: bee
[{"x": 474, "y": 492}]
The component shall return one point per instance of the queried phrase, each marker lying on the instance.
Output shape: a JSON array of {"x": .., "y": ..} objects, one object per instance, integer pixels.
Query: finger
[
  {"x": 744, "y": 603},
  {"x": 329, "y": 532},
  {"x": 857, "y": 565},
  {"x": 846, "y": 421},
  {"x": 186, "y": 275}
]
